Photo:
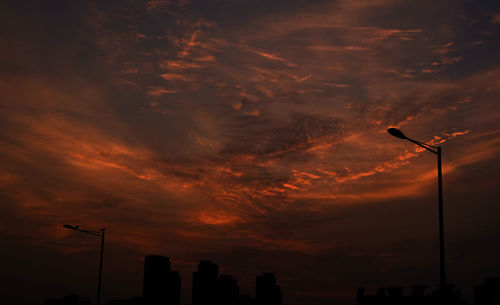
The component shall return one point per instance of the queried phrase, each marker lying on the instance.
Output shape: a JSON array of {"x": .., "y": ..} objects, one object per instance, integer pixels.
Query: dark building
[
  {"x": 246, "y": 299},
  {"x": 267, "y": 291},
  {"x": 395, "y": 296},
  {"x": 228, "y": 290},
  {"x": 133, "y": 301},
  {"x": 487, "y": 293},
  {"x": 206, "y": 284},
  {"x": 161, "y": 286},
  {"x": 174, "y": 290},
  {"x": 69, "y": 300}
]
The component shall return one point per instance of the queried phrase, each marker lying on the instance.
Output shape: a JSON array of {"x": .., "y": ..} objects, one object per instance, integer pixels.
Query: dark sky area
[{"x": 248, "y": 132}]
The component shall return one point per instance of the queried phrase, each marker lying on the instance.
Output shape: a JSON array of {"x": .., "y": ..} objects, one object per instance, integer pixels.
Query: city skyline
[
  {"x": 161, "y": 286},
  {"x": 252, "y": 133}
]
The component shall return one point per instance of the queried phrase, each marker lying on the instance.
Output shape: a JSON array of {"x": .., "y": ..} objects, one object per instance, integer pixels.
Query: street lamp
[
  {"x": 437, "y": 151},
  {"x": 100, "y": 234}
]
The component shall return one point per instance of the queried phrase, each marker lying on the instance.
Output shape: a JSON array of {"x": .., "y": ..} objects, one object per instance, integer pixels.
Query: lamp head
[{"x": 396, "y": 133}]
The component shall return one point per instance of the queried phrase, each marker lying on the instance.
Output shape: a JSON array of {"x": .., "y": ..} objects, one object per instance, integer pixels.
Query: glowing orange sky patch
[{"x": 217, "y": 218}]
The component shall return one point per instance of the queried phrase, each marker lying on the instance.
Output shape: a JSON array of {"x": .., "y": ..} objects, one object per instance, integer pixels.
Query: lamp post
[
  {"x": 100, "y": 234},
  {"x": 437, "y": 151}
]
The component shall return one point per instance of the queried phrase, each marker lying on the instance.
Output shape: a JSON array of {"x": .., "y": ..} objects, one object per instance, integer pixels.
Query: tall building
[
  {"x": 228, "y": 290},
  {"x": 161, "y": 286},
  {"x": 267, "y": 291},
  {"x": 206, "y": 284},
  {"x": 175, "y": 284}
]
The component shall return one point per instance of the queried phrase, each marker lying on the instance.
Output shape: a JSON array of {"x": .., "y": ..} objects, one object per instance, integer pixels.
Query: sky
[{"x": 253, "y": 134}]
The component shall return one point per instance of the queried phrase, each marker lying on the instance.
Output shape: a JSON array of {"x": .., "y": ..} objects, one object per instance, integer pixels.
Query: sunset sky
[{"x": 252, "y": 133}]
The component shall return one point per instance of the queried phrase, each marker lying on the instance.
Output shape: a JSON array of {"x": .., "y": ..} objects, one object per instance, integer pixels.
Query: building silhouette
[
  {"x": 395, "y": 296},
  {"x": 267, "y": 291},
  {"x": 229, "y": 291},
  {"x": 206, "y": 284},
  {"x": 246, "y": 299},
  {"x": 132, "y": 301},
  {"x": 72, "y": 299},
  {"x": 161, "y": 285},
  {"x": 488, "y": 292}
]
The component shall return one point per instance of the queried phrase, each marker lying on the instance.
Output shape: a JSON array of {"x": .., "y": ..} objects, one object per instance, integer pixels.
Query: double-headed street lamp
[
  {"x": 437, "y": 151},
  {"x": 100, "y": 234}
]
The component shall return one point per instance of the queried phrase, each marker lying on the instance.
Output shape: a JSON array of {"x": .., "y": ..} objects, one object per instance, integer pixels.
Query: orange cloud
[
  {"x": 336, "y": 48},
  {"x": 159, "y": 91},
  {"x": 216, "y": 218},
  {"x": 174, "y": 76}
]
